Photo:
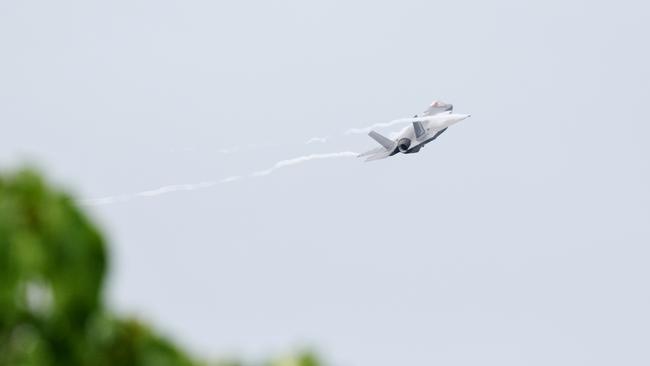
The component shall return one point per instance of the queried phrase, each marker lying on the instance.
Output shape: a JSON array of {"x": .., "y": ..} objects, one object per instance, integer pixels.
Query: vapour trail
[
  {"x": 310, "y": 141},
  {"x": 203, "y": 185},
  {"x": 314, "y": 140},
  {"x": 157, "y": 192},
  {"x": 394, "y": 122},
  {"x": 279, "y": 165},
  {"x": 364, "y": 130},
  {"x": 303, "y": 159},
  {"x": 261, "y": 173}
]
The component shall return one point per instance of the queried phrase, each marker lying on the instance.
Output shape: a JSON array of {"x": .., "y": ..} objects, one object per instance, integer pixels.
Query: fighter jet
[{"x": 423, "y": 129}]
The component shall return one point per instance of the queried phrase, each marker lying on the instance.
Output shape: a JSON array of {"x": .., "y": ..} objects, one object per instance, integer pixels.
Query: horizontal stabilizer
[
  {"x": 381, "y": 155},
  {"x": 372, "y": 152}
]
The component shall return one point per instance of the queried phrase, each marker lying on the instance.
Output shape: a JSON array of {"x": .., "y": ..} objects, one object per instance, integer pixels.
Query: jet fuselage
[{"x": 408, "y": 141}]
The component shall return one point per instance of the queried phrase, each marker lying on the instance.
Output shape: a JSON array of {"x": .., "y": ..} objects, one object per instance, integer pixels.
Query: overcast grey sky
[{"x": 520, "y": 237}]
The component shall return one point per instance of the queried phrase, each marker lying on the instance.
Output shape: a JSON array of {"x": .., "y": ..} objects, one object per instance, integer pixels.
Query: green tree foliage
[{"x": 52, "y": 266}]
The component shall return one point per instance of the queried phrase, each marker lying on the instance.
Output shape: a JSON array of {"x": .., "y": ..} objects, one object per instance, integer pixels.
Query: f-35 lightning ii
[{"x": 424, "y": 128}]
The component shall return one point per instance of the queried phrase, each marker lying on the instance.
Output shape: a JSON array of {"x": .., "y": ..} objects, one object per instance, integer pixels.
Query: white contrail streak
[
  {"x": 367, "y": 129},
  {"x": 203, "y": 185},
  {"x": 157, "y": 192},
  {"x": 174, "y": 188},
  {"x": 314, "y": 140},
  {"x": 231, "y": 179},
  {"x": 279, "y": 165},
  {"x": 302, "y": 159}
]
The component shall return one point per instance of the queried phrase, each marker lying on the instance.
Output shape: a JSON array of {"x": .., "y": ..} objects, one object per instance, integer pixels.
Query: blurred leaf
[{"x": 52, "y": 266}]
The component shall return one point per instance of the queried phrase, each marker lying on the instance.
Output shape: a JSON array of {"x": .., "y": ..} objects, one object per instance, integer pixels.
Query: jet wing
[
  {"x": 387, "y": 147},
  {"x": 437, "y": 107}
]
